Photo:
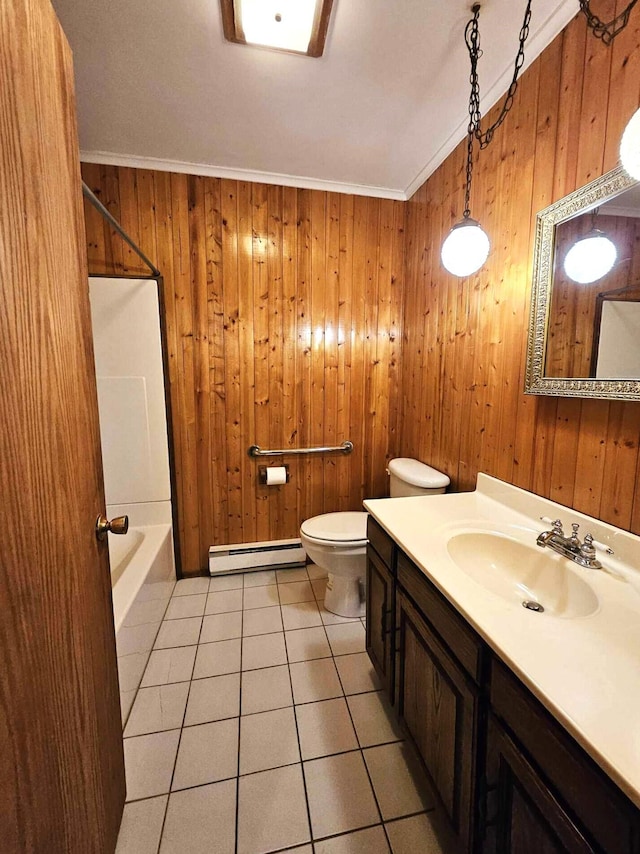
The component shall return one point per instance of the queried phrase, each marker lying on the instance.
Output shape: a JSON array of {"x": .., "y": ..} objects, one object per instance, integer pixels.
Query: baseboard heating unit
[{"x": 245, "y": 557}]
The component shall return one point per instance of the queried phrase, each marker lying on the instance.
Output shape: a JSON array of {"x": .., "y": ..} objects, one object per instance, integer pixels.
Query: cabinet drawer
[
  {"x": 610, "y": 819},
  {"x": 381, "y": 542},
  {"x": 458, "y": 636}
]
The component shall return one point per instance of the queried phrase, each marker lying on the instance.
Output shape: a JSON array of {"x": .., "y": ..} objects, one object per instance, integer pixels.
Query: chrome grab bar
[{"x": 344, "y": 448}]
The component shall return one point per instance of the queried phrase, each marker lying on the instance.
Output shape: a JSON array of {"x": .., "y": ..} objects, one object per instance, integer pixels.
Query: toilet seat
[{"x": 342, "y": 529}]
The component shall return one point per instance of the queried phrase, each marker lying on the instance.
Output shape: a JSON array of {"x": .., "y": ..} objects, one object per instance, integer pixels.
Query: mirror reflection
[
  {"x": 584, "y": 324},
  {"x": 594, "y": 311}
]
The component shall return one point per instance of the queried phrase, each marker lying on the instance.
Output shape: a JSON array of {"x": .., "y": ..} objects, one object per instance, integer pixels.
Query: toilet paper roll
[{"x": 276, "y": 475}]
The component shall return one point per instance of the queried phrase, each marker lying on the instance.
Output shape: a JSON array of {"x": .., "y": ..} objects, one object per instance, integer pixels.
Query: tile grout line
[
  {"x": 237, "y": 817},
  {"x": 166, "y": 806},
  {"x": 295, "y": 719},
  {"x": 242, "y": 638},
  {"x": 153, "y": 644},
  {"x": 260, "y": 711},
  {"x": 275, "y": 767},
  {"x": 184, "y": 714},
  {"x": 360, "y": 749},
  {"x": 366, "y": 768}
]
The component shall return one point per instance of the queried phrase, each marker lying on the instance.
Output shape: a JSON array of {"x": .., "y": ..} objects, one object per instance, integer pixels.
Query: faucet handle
[
  {"x": 588, "y": 551},
  {"x": 587, "y": 545},
  {"x": 557, "y": 527}
]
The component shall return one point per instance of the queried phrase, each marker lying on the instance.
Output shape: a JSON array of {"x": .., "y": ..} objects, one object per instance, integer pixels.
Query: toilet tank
[{"x": 411, "y": 477}]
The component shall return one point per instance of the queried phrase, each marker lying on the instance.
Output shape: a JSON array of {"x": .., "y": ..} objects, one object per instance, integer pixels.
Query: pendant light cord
[
  {"x": 472, "y": 39},
  {"x": 474, "y": 131},
  {"x": 609, "y": 30}
]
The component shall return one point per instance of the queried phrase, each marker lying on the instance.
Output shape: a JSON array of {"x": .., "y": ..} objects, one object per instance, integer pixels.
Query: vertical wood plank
[
  {"x": 189, "y": 515},
  {"x": 247, "y": 366},
  {"x": 232, "y": 434},
  {"x": 260, "y": 304},
  {"x": 278, "y": 409},
  {"x": 291, "y": 504},
  {"x": 219, "y": 531},
  {"x": 318, "y": 313}
]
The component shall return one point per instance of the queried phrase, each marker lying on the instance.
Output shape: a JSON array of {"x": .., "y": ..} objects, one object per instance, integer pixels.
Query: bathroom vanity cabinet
[
  {"x": 381, "y": 557},
  {"x": 508, "y": 775}
]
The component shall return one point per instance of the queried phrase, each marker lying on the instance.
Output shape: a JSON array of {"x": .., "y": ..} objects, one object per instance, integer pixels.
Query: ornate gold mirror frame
[{"x": 582, "y": 200}]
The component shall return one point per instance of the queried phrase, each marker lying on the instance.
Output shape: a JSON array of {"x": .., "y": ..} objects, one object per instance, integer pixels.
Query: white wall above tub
[{"x": 131, "y": 394}]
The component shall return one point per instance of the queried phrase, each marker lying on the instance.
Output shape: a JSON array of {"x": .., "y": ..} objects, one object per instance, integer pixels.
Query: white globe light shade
[
  {"x": 630, "y": 147},
  {"x": 466, "y": 248},
  {"x": 590, "y": 259}
]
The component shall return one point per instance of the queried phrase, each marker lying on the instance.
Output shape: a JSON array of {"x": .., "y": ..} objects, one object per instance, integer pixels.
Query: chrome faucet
[{"x": 583, "y": 553}]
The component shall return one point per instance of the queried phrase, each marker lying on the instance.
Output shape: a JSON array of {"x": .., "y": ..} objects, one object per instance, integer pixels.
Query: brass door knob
[{"x": 119, "y": 525}]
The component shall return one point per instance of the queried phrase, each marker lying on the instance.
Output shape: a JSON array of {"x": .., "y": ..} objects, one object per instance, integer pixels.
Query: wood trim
[
  {"x": 169, "y": 415},
  {"x": 320, "y": 28},
  {"x": 229, "y": 22}
]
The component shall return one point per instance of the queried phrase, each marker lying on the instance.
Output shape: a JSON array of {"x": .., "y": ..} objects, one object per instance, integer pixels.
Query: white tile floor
[{"x": 259, "y": 727}]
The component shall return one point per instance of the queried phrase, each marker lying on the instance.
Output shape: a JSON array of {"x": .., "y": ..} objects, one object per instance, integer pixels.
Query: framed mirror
[{"x": 584, "y": 328}]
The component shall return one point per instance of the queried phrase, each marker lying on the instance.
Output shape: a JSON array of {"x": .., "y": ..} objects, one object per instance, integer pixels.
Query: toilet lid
[
  {"x": 341, "y": 527},
  {"x": 418, "y": 474}
]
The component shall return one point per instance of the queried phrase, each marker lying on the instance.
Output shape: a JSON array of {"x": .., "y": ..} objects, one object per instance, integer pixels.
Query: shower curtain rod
[{"x": 95, "y": 201}]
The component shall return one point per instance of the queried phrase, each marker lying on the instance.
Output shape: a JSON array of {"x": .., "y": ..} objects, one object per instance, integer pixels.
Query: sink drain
[{"x": 533, "y": 606}]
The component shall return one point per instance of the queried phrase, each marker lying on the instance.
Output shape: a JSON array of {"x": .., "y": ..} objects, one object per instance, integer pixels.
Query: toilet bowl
[{"x": 337, "y": 542}]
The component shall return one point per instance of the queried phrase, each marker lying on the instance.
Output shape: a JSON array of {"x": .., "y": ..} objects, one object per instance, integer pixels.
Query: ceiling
[{"x": 158, "y": 87}]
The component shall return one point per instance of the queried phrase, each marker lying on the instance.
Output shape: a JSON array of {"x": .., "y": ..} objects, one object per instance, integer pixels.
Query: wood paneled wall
[
  {"x": 285, "y": 308},
  {"x": 463, "y": 408},
  {"x": 284, "y": 312}
]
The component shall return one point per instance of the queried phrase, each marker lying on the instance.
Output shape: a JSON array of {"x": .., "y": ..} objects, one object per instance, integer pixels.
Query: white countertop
[{"x": 585, "y": 670}]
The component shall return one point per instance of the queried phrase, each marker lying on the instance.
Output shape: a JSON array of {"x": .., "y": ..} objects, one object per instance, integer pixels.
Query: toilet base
[{"x": 343, "y": 596}]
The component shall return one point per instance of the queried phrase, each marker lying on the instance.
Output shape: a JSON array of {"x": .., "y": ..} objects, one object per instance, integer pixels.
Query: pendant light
[
  {"x": 591, "y": 257},
  {"x": 466, "y": 247}
]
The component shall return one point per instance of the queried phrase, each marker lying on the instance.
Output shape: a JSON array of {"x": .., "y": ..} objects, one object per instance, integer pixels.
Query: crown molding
[
  {"x": 538, "y": 41},
  {"x": 109, "y": 158}
]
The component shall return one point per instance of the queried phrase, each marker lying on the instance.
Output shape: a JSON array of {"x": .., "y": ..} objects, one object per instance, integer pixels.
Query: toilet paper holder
[{"x": 262, "y": 473}]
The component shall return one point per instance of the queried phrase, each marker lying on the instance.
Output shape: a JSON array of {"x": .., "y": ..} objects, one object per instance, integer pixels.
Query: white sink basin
[{"x": 522, "y": 573}]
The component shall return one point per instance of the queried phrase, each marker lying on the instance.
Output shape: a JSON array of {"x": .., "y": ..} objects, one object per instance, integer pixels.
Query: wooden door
[
  {"x": 61, "y": 764},
  {"x": 522, "y": 814},
  {"x": 439, "y": 707},
  {"x": 380, "y": 615}
]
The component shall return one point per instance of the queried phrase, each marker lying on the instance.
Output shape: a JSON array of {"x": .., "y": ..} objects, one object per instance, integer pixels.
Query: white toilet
[{"x": 337, "y": 542}]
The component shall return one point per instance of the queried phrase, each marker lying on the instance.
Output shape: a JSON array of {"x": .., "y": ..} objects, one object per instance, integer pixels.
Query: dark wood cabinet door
[
  {"x": 380, "y": 613},
  {"x": 523, "y": 816},
  {"x": 439, "y": 706}
]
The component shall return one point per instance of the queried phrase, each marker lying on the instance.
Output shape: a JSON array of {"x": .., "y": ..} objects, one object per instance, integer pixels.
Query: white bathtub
[{"x": 142, "y": 578}]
